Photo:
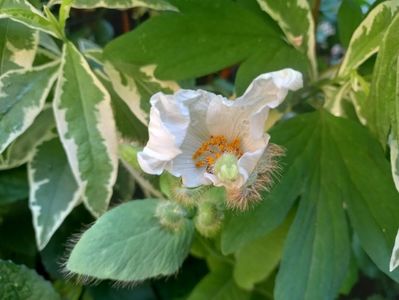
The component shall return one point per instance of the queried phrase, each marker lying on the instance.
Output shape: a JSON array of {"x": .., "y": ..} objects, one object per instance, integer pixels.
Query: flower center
[{"x": 212, "y": 149}]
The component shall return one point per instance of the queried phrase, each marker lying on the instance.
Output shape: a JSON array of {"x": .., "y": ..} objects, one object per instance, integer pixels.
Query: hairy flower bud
[
  {"x": 209, "y": 218},
  {"x": 171, "y": 215}
]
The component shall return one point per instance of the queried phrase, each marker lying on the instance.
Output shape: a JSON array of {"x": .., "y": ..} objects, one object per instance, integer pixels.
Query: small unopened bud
[
  {"x": 208, "y": 220},
  {"x": 171, "y": 215},
  {"x": 226, "y": 168}
]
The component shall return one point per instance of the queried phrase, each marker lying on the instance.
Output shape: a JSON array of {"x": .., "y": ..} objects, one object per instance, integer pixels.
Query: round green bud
[
  {"x": 208, "y": 220},
  {"x": 226, "y": 167},
  {"x": 171, "y": 215}
]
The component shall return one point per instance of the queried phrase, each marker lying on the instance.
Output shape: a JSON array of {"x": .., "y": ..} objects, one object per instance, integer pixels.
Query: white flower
[{"x": 207, "y": 139}]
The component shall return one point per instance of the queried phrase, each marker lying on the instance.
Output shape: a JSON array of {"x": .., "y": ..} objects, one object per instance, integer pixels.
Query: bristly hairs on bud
[
  {"x": 187, "y": 197},
  {"x": 261, "y": 179},
  {"x": 172, "y": 215}
]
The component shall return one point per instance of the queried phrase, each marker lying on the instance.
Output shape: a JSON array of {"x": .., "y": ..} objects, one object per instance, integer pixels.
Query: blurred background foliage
[{"x": 94, "y": 28}]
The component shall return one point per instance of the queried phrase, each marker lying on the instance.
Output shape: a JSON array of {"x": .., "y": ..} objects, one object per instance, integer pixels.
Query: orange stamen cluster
[{"x": 209, "y": 152}]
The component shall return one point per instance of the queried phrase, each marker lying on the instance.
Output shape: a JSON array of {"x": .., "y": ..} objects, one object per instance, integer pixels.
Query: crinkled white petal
[
  {"x": 270, "y": 89},
  {"x": 169, "y": 120}
]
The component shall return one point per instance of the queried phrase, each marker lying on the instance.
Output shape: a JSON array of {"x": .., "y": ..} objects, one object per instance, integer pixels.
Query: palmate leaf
[
  {"x": 367, "y": 37},
  {"x": 296, "y": 20},
  {"x": 53, "y": 189},
  {"x": 22, "y": 97},
  {"x": 218, "y": 285},
  {"x": 87, "y": 130},
  {"x": 19, "y": 282},
  {"x": 18, "y": 44},
  {"x": 340, "y": 168},
  {"x": 128, "y": 243},
  {"x": 211, "y": 35}
]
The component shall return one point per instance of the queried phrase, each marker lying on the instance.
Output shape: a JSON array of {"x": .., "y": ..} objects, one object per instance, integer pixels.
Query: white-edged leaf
[
  {"x": 22, "y": 97},
  {"x": 87, "y": 129},
  {"x": 135, "y": 86},
  {"x": 296, "y": 20},
  {"x": 367, "y": 37},
  {"x": 124, "y": 4},
  {"x": 53, "y": 189},
  {"x": 394, "y": 262},
  {"x": 24, "y": 12},
  {"x": 21, "y": 150},
  {"x": 18, "y": 45}
]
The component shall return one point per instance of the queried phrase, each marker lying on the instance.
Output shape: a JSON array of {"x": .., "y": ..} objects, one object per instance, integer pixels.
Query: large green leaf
[
  {"x": 19, "y": 282},
  {"x": 367, "y": 37},
  {"x": 87, "y": 129},
  {"x": 296, "y": 20},
  {"x": 53, "y": 189},
  {"x": 128, "y": 243},
  {"x": 340, "y": 167},
  {"x": 18, "y": 45},
  {"x": 24, "y": 12},
  {"x": 204, "y": 37},
  {"x": 218, "y": 286},
  {"x": 256, "y": 260},
  {"x": 22, "y": 97},
  {"x": 124, "y": 4}
]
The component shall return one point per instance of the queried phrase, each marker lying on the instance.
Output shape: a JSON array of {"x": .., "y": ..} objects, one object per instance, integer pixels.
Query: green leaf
[
  {"x": 18, "y": 45},
  {"x": 53, "y": 189},
  {"x": 129, "y": 244},
  {"x": 87, "y": 130},
  {"x": 124, "y": 4},
  {"x": 256, "y": 260},
  {"x": 296, "y": 20},
  {"x": 22, "y": 97},
  {"x": 13, "y": 185},
  {"x": 19, "y": 282},
  {"x": 218, "y": 286},
  {"x": 335, "y": 179},
  {"x": 325, "y": 166},
  {"x": 21, "y": 150},
  {"x": 24, "y": 12},
  {"x": 266, "y": 216},
  {"x": 213, "y": 34},
  {"x": 367, "y": 37},
  {"x": 349, "y": 17}
]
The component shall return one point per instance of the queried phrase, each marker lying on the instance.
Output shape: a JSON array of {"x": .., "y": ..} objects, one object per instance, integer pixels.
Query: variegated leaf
[
  {"x": 123, "y": 4},
  {"x": 18, "y": 45},
  {"x": 135, "y": 87},
  {"x": 24, "y": 12},
  {"x": 87, "y": 129},
  {"x": 296, "y": 20},
  {"x": 394, "y": 263},
  {"x": 367, "y": 37},
  {"x": 21, "y": 150},
  {"x": 54, "y": 191},
  {"x": 22, "y": 96}
]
